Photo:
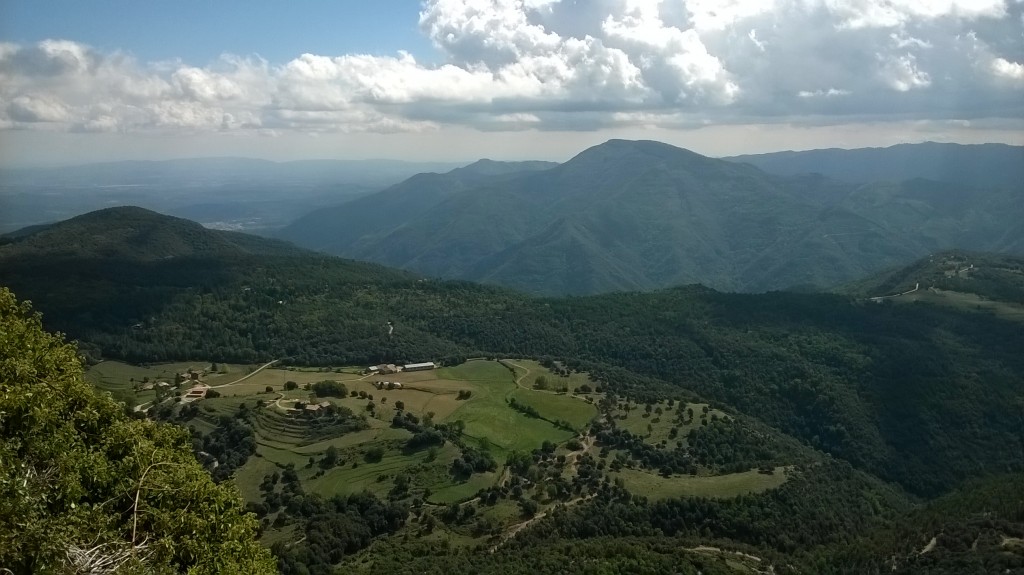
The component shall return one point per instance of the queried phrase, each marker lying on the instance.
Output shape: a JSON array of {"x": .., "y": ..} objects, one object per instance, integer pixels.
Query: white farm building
[{"x": 419, "y": 366}]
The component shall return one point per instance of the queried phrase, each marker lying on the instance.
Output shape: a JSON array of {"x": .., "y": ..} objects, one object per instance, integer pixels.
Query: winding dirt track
[{"x": 245, "y": 377}]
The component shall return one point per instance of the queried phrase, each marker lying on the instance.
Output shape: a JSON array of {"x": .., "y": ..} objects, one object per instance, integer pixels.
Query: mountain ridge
[
  {"x": 654, "y": 215},
  {"x": 989, "y": 165}
]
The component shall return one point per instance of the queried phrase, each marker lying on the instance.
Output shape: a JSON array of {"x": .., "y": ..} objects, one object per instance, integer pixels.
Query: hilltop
[
  {"x": 134, "y": 233},
  {"x": 641, "y": 215}
]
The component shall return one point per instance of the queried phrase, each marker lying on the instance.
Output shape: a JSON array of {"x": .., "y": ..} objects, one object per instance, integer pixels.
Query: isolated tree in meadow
[
  {"x": 399, "y": 405},
  {"x": 81, "y": 482},
  {"x": 330, "y": 458},
  {"x": 290, "y": 385},
  {"x": 541, "y": 382},
  {"x": 270, "y": 389}
]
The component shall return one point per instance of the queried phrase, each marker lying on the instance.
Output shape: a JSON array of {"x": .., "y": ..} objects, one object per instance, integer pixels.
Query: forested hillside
[{"x": 643, "y": 215}]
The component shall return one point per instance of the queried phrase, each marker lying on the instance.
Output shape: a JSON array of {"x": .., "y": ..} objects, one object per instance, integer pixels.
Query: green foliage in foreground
[{"x": 77, "y": 475}]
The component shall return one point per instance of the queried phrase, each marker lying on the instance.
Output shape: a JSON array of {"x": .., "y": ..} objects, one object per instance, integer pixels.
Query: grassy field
[
  {"x": 558, "y": 407},
  {"x": 379, "y": 477},
  {"x": 654, "y": 486},
  {"x": 528, "y": 370},
  {"x": 489, "y": 419}
]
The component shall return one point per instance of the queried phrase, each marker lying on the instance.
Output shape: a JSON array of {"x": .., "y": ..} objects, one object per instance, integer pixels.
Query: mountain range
[
  {"x": 640, "y": 215},
  {"x": 975, "y": 165}
]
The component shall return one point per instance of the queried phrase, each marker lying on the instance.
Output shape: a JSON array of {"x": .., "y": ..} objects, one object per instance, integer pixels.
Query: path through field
[
  {"x": 524, "y": 524},
  {"x": 245, "y": 377}
]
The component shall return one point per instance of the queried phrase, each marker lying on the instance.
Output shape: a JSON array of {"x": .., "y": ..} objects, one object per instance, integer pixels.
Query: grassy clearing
[
  {"x": 475, "y": 370},
  {"x": 250, "y": 475},
  {"x": 656, "y": 487},
  {"x": 504, "y": 511},
  {"x": 557, "y": 407},
  {"x": 529, "y": 370},
  {"x": 463, "y": 491}
]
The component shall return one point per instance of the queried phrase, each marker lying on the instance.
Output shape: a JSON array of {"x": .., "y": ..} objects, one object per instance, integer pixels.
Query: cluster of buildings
[{"x": 309, "y": 409}]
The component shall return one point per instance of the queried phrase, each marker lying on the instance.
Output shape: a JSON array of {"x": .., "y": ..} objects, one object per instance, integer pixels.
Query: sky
[{"x": 507, "y": 79}]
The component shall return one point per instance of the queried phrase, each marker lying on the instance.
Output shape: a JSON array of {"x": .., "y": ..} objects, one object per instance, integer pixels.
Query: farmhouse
[
  {"x": 419, "y": 366},
  {"x": 384, "y": 368}
]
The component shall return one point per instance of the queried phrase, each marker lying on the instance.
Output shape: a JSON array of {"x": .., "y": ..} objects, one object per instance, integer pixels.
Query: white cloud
[
  {"x": 41, "y": 108},
  {"x": 561, "y": 64},
  {"x": 892, "y": 13},
  {"x": 902, "y": 73},
  {"x": 1005, "y": 69}
]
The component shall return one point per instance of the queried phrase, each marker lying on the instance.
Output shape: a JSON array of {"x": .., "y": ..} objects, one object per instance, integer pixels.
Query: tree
[
  {"x": 330, "y": 388},
  {"x": 270, "y": 389},
  {"x": 540, "y": 382},
  {"x": 528, "y": 507},
  {"x": 330, "y": 458},
  {"x": 374, "y": 454},
  {"x": 399, "y": 405},
  {"x": 79, "y": 475},
  {"x": 290, "y": 385}
]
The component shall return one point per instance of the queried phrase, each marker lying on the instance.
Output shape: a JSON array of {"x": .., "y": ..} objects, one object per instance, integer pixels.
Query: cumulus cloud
[{"x": 562, "y": 64}]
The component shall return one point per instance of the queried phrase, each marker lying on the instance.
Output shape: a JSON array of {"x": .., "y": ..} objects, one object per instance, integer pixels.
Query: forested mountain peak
[
  {"x": 631, "y": 157},
  {"x": 136, "y": 233}
]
